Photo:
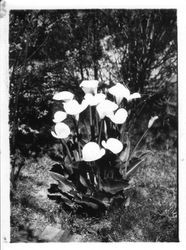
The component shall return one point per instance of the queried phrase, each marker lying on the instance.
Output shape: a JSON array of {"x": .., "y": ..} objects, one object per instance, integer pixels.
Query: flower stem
[
  {"x": 97, "y": 124},
  {"x": 98, "y": 176},
  {"x": 144, "y": 134},
  {"x": 67, "y": 148},
  {"x": 92, "y": 166},
  {"x": 79, "y": 150},
  {"x": 91, "y": 123},
  {"x": 101, "y": 127},
  {"x": 76, "y": 124},
  {"x": 90, "y": 113},
  {"x": 122, "y": 132}
]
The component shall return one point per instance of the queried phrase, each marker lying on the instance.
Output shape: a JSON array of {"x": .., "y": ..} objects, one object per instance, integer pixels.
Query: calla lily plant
[{"x": 95, "y": 168}]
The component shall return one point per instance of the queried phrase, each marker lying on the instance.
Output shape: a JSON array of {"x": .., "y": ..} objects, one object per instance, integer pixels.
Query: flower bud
[{"x": 152, "y": 120}]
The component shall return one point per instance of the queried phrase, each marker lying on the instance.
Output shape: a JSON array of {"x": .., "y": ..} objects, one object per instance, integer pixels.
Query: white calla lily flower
[
  {"x": 62, "y": 130},
  {"x": 152, "y": 120},
  {"x": 120, "y": 92},
  {"x": 106, "y": 108},
  {"x": 74, "y": 108},
  {"x": 92, "y": 151},
  {"x": 112, "y": 144},
  {"x": 134, "y": 96},
  {"x": 59, "y": 116},
  {"x": 89, "y": 86},
  {"x": 63, "y": 96},
  {"x": 94, "y": 100},
  {"x": 119, "y": 117}
]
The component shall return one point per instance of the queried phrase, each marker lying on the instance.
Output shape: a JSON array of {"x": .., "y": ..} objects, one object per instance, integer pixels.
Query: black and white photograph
[{"x": 93, "y": 125}]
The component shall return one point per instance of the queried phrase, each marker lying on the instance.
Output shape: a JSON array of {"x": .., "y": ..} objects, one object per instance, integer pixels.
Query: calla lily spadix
[
  {"x": 106, "y": 108},
  {"x": 89, "y": 86},
  {"x": 112, "y": 144},
  {"x": 94, "y": 100},
  {"x": 120, "y": 92},
  {"x": 59, "y": 116},
  {"x": 119, "y": 117},
  {"x": 74, "y": 108},
  {"x": 63, "y": 96},
  {"x": 62, "y": 130},
  {"x": 92, "y": 151}
]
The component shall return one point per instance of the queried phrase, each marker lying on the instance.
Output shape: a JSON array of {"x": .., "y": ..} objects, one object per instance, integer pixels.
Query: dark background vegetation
[{"x": 54, "y": 50}]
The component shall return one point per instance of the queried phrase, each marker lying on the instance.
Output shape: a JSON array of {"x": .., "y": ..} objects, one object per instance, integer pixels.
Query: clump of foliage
[
  {"x": 51, "y": 48},
  {"x": 97, "y": 160}
]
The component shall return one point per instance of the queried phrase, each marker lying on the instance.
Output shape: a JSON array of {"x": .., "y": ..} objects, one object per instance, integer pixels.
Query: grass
[
  {"x": 150, "y": 217},
  {"x": 152, "y": 214}
]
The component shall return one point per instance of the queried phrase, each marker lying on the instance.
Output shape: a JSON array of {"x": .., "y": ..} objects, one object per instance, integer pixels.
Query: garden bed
[{"x": 151, "y": 215}]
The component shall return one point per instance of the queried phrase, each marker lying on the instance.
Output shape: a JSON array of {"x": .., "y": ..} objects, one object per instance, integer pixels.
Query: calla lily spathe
[
  {"x": 120, "y": 92},
  {"x": 92, "y": 151},
  {"x": 59, "y": 116},
  {"x": 152, "y": 120},
  {"x": 112, "y": 144},
  {"x": 134, "y": 96},
  {"x": 119, "y": 117},
  {"x": 61, "y": 130},
  {"x": 89, "y": 86},
  {"x": 94, "y": 100},
  {"x": 74, "y": 108},
  {"x": 63, "y": 96},
  {"x": 106, "y": 108}
]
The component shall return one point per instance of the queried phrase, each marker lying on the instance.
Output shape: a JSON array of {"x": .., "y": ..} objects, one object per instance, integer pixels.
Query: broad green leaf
[
  {"x": 58, "y": 198},
  {"x": 124, "y": 155},
  {"x": 143, "y": 154},
  {"x": 87, "y": 203},
  {"x": 68, "y": 165},
  {"x": 59, "y": 177},
  {"x": 59, "y": 195},
  {"x": 76, "y": 155},
  {"x": 64, "y": 185},
  {"x": 60, "y": 169},
  {"x": 113, "y": 187},
  {"x": 92, "y": 202},
  {"x": 83, "y": 182}
]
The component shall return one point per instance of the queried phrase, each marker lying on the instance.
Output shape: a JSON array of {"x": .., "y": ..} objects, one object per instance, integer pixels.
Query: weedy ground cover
[{"x": 150, "y": 216}]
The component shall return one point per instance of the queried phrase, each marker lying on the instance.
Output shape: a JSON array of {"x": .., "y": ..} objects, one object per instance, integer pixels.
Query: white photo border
[{"x": 4, "y": 112}]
